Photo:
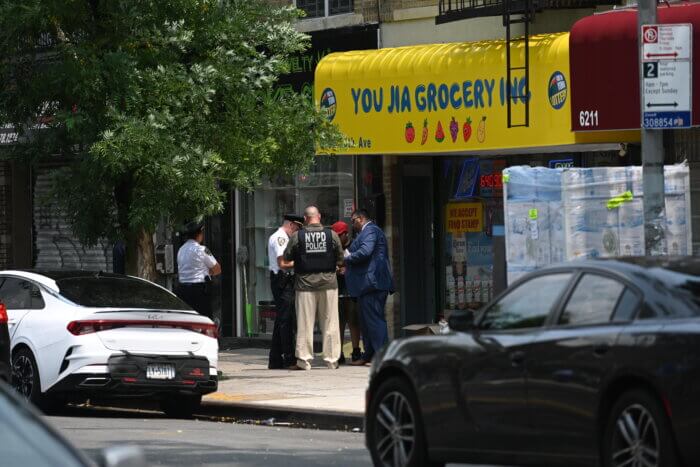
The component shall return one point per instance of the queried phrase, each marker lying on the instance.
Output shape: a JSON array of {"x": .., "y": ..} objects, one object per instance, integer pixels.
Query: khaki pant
[{"x": 325, "y": 302}]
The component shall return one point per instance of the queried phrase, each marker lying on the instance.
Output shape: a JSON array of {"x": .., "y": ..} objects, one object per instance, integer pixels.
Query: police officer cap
[
  {"x": 193, "y": 227},
  {"x": 294, "y": 218}
]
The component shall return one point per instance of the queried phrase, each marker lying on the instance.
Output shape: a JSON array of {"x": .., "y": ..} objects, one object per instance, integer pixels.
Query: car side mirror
[
  {"x": 462, "y": 320},
  {"x": 122, "y": 456}
]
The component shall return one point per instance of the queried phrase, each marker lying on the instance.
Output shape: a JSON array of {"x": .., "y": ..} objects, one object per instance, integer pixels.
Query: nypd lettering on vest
[
  {"x": 315, "y": 252},
  {"x": 315, "y": 242}
]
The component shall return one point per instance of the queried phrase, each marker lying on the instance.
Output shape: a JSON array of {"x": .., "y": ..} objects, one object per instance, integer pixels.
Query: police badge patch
[{"x": 281, "y": 241}]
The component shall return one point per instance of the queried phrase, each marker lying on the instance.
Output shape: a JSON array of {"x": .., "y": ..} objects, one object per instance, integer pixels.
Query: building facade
[
  {"x": 437, "y": 116},
  {"x": 412, "y": 194}
]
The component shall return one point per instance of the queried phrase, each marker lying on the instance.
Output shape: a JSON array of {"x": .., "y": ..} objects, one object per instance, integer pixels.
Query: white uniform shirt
[
  {"x": 194, "y": 262},
  {"x": 275, "y": 248}
]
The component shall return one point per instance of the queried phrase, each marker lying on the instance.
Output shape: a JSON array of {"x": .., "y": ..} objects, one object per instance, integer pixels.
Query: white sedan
[{"x": 77, "y": 335}]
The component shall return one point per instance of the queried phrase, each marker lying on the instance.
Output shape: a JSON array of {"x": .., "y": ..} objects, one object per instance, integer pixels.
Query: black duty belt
[
  {"x": 193, "y": 284},
  {"x": 280, "y": 273}
]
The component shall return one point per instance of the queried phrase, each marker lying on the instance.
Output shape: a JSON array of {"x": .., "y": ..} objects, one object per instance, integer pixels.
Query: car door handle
[
  {"x": 517, "y": 358},
  {"x": 600, "y": 350}
]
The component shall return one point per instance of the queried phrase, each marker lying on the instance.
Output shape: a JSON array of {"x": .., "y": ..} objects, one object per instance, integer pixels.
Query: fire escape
[{"x": 513, "y": 12}]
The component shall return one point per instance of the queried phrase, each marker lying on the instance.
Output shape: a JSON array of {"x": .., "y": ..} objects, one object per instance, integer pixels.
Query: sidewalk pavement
[{"x": 321, "y": 397}]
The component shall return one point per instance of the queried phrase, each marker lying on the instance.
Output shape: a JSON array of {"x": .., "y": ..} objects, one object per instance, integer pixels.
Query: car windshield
[
  {"x": 118, "y": 292},
  {"x": 26, "y": 441}
]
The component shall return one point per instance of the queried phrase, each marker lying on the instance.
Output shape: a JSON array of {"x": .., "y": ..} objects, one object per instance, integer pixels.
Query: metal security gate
[
  {"x": 695, "y": 205},
  {"x": 55, "y": 246},
  {"x": 5, "y": 216},
  {"x": 684, "y": 145}
]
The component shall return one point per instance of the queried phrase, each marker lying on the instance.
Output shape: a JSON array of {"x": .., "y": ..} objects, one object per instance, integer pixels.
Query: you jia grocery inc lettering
[
  {"x": 451, "y": 98},
  {"x": 431, "y": 97}
]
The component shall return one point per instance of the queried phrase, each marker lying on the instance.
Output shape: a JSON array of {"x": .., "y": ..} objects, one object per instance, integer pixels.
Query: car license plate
[{"x": 160, "y": 371}]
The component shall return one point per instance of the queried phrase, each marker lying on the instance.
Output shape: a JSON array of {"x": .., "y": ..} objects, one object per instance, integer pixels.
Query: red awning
[{"x": 604, "y": 60}]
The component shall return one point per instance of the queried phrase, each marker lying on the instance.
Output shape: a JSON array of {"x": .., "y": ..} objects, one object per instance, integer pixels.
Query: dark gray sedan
[{"x": 587, "y": 363}]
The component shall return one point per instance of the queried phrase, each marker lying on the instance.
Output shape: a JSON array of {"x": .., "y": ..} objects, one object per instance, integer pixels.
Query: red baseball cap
[{"x": 340, "y": 227}]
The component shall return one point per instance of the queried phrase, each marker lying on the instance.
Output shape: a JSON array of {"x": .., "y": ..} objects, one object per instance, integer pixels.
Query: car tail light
[
  {"x": 88, "y": 326},
  {"x": 3, "y": 313}
]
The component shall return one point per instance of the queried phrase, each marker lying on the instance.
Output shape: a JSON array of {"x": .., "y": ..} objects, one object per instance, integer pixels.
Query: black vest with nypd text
[{"x": 315, "y": 252}]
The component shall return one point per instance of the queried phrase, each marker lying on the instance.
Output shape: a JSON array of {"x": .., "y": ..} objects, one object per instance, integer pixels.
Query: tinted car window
[
  {"x": 627, "y": 307},
  {"x": 26, "y": 441},
  {"x": 118, "y": 292},
  {"x": 528, "y": 305},
  {"x": 593, "y": 301},
  {"x": 19, "y": 294}
]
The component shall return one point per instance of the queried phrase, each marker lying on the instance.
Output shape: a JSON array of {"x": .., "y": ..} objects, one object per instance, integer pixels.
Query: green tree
[{"x": 160, "y": 103}]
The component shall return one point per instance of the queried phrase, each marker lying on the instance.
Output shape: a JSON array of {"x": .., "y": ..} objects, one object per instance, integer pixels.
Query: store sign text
[
  {"x": 464, "y": 217},
  {"x": 431, "y": 97}
]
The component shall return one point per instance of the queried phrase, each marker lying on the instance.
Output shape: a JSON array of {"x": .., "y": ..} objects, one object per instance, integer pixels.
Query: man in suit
[{"x": 368, "y": 277}]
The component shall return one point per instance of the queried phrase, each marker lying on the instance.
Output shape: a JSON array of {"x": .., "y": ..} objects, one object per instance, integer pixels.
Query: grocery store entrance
[{"x": 417, "y": 281}]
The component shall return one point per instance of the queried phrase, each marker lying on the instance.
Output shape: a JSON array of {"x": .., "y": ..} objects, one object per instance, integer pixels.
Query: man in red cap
[{"x": 346, "y": 306}]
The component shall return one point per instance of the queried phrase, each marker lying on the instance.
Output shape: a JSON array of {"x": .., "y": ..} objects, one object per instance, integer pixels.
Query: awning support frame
[{"x": 516, "y": 12}]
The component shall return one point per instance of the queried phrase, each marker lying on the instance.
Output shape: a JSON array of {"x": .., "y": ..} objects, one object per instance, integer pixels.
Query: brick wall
[
  {"x": 390, "y": 182},
  {"x": 368, "y": 10}
]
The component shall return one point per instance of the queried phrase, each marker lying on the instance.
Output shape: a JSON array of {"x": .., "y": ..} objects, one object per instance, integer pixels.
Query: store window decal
[{"x": 468, "y": 178}]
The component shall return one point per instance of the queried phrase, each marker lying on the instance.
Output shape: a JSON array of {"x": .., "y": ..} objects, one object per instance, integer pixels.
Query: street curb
[{"x": 320, "y": 419}]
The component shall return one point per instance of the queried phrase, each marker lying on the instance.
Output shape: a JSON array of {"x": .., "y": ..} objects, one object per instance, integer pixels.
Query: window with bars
[{"x": 321, "y": 8}]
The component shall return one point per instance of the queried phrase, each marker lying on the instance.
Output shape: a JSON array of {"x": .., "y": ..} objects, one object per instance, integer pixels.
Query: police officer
[
  {"x": 315, "y": 252},
  {"x": 196, "y": 265},
  {"x": 282, "y": 285}
]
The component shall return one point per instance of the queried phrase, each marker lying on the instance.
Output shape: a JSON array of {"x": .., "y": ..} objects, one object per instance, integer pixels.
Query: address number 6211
[{"x": 588, "y": 118}]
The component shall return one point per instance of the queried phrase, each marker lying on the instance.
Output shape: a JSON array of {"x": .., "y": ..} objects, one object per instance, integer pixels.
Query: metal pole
[{"x": 652, "y": 156}]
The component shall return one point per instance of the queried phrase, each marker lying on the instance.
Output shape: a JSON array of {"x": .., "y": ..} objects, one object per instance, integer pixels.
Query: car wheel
[
  {"x": 395, "y": 434},
  {"x": 638, "y": 433},
  {"x": 26, "y": 380},
  {"x": 180, "y": 406}
]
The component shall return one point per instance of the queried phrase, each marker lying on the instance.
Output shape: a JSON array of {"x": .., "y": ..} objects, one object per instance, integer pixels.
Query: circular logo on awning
[
  {"x": 557, "y": 90},
  {"x": 328, "y": 104}
]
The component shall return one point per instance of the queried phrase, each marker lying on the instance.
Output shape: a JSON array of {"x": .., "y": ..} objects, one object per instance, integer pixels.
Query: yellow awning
[{"x": 451, "y": 98}]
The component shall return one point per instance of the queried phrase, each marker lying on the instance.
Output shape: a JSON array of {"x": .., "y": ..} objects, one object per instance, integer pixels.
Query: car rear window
[{"x": 118, "y": 292}]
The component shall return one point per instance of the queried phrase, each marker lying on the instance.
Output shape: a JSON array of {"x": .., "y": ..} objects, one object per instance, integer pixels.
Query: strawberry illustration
[
  {"x": 410, "y": 132},
  {"x": 454, "y": 129},
  {"x": 481, "y": 130},
  {"x": 424, "y": 136},
  {"x": 439, "y": 133},
  {"x": 467, "y": 129}
]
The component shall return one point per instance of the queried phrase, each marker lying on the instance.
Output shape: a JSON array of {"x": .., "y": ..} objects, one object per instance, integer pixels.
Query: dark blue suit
[{"x": 368, "y": 277}]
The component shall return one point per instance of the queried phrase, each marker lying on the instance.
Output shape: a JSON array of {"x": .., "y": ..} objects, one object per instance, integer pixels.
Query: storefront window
[
  {"x": 370, "y": 192},
  {"x": 329, "y": 185},
  {"x": 471, "y": 197},
  {"x": 470, "y": 192}
]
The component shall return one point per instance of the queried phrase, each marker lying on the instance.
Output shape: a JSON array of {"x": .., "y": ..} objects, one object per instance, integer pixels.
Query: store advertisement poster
[{"x": 468, "y": 270}]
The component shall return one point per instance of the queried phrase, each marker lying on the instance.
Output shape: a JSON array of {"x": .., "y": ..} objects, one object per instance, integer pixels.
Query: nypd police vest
[{"x": 315, "y": 252}]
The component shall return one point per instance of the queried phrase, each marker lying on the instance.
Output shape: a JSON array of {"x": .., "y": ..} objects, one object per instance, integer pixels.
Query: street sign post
[{"x": 666, "y": 67}]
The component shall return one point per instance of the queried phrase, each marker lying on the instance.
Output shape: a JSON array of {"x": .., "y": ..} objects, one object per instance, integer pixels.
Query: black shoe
[
  {"x": 356, "y": 355},
  {"x": 341, "y": 360}
]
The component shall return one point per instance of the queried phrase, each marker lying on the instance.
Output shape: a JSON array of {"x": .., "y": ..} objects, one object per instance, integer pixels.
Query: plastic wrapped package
[
  {"x": 533, "y": 217},
  {"x": 554, "y": 215},
  {"x": 631, "y": 221}
]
